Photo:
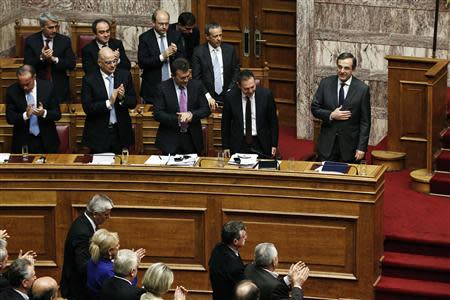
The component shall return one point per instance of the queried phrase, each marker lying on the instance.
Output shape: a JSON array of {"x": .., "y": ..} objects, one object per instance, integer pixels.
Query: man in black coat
[
  {"x": 215, "y": 64},
  {"x": 89, "y": 53},
  {"x": 190, "y": 35},
  {"x": 157, "y": 48},
  {"x": 76, "y": 248},
  {"x": 50, "y": 53},
  {"x": 342, "y": 102},
  {"x": 226, "y": 268},
  {"x": 21, "y": 276},
  {"x": 180, "y": 128},
  {"x": 107, "y": 94},
  {"x": 254, "y": 106},
  {"x": 120, "y": 286},
  {"x": 32, "y": 110},
  {"x": 262, "y": 273}
]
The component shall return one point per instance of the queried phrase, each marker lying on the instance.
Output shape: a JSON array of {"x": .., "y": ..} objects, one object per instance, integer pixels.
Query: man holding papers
[
  {"x": 179, "y": 107},
  {"x": 249, "y": 119}
]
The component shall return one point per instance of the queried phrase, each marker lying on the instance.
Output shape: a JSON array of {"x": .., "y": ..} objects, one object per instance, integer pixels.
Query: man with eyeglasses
[
  {"x": 158, "y": 47},
  {"x": 102, "y": 31},
  {"x": 50, "y": 53},
  {"x": 21, "y": 276},
  {"x": 107, "y": 94},
  {"x": 76, "y": 248}
]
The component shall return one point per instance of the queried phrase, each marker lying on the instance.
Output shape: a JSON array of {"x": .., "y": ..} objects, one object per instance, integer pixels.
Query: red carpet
[{"x": 291, "y": 147}]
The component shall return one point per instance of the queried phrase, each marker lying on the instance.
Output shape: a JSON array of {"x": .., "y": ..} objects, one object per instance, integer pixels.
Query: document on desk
[
  {"x": 157, "y": 160},
  {"x": 103, "y": 159},
  {"x": 188, "y": 160},
  {"x": 244, "y": 160},
  {"x": 4, "y": 157}
]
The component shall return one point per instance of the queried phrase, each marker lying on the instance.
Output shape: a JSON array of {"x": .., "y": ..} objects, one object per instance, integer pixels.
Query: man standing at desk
[
  {"x": 342, "y": 102},
  {"x": 249, "y": 119},
  {"x": 102, "y": 31},
  {"x": 179, "y": 107},
  {"x": 107, "y": 94},
  {"x": 32, "y": 109},
  {"x": 50, "y": 53}
]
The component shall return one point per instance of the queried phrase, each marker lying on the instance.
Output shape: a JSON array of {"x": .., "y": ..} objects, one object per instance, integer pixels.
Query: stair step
[
  {"x": 413, "y": 266},
  {"x": 440, "y": 183},
  {"x": 446, "y": 139},
  {"x": 443, "y": 161},
  {"x": 405, "y": 245},
  {"x": 400, "y": 288}
]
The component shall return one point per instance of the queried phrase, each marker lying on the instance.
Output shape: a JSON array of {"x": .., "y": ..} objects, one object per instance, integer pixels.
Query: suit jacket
[
  {"x": 115, "y": 288},
  {"x": 93, "y": 98},
  {"x": 89, "y": 55},
  {"x": 203, "y": 70},
  {"x": 16, "y": 105},
  {"x": 226, "y": 269},
  {"x": 76, "y": 257},
  {"x": 266, "y": 120},
  {"x": 63, "y": 50},
  {"x": 4, "y": 283},
  {"x": 271, "y": 288},
  {"x": 149, "y": 62},
  {"x": 165, "y": 109},
  {"x": 10, "y": 294},
  {"x": 189, "y": 42},
  {"x": 354, "y": 132}
]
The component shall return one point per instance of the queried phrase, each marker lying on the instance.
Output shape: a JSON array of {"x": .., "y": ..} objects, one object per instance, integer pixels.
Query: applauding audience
[
  {"x": 157, "y": 280},
  {"x": 21, "y": 276}
]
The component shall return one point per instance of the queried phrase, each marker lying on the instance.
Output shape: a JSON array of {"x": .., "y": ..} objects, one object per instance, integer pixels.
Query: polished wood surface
[
  {"x": 332, "y": 222},
  {"x": 417, "y": 105}
]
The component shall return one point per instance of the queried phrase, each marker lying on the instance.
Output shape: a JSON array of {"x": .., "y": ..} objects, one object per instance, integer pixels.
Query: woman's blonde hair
[
  {"x": 101, "y": 242},
  {"x": 157, "y": 279}
]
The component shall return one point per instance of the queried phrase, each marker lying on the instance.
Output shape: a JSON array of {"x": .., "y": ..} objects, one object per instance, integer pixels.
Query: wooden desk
[{"x": 332, "y": 222}]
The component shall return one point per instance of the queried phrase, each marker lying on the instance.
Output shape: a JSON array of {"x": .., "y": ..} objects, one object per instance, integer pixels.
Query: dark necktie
[
  {"x": 341, "y": 94},
  {"x": 48, "y": 69},
  {"x": 248, "y": 121}
]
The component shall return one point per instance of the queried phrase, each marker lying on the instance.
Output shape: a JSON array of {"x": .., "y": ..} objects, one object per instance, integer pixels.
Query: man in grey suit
[
  {"x": 342, "y": 102},
  {"x": 262, "y": 273}
]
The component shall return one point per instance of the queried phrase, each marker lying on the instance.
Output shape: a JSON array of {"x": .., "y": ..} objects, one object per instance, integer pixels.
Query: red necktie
[{"x": 48, "y": 69}]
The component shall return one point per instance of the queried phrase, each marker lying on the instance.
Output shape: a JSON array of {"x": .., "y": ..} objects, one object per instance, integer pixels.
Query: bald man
[
  {"x": 247, "y": 290},
  {"x": 107, "y": 94},
  {"x": 44, "y": 288}
]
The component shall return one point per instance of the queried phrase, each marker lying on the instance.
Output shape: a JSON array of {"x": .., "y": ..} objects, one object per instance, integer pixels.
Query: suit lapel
[
  {"x": 173, "y": 95},
  {"x": 100, "y": 82},
  {"x": 259, "y": 118},
  {"x": 209, "y": 59},
  {"x": 351, "y": 92},
  {"x": 334, "y": 91}
]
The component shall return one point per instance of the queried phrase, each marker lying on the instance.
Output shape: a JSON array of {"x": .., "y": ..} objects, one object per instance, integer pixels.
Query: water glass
[
  {"x": 220, "y": 159},
  {"x": 25, "y": 152},
  {"x": 125, "y": 155},
  {"x": 362, "y": 167}
]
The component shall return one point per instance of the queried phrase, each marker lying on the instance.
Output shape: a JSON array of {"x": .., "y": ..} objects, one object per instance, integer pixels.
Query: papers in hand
[
  {"x": 4, "y": 157},
  {"x": 173, "y": 160},
  {"x": 103, "y": 159},
  {"x": 244, "y": 159}
]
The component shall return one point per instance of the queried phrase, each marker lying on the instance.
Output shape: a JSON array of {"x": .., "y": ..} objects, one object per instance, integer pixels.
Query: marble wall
[
  {"x": 369, "y": 29},
  {"x": 132, "y": 17}
]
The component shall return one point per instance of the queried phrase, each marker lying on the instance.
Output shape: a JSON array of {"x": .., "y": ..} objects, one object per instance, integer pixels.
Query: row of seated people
[{"x": 96, "y": 268}]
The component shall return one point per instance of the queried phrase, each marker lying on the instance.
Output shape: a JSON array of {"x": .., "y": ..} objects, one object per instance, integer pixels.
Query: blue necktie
[
  {"x": 218, "y": 87},
  {"x": 164, "y": 71},
  {"x": 34, "y": 125},
  {"x": 341, "y": 94},
  {"x": 112, "y": 113}
]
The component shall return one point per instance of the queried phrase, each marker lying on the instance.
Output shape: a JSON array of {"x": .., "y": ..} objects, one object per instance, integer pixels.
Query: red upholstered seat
[
  {"x": 83, "y": 40},
  {"x": 64, "y": 138}
]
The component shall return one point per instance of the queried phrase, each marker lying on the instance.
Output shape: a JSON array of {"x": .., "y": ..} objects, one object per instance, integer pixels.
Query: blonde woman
[
  {"x": 157, "y": 281},
  {"x": 103, "y": 249}
]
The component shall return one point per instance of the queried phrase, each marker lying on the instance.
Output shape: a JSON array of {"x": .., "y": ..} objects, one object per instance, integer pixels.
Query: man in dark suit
[
  {"x": 50, "y": 53},
  {"x": 89, "y": 53},
  {"x": 262, "y": 273},
  {"x": 190, "y": 35},
  {"x": 342, "y": 102},
  {"x": 249, "y": 119},
  {"x": 76, "y": 248},
  {"x": 215, "y": 64},
  {"x": 226, "y": 268},
  {"x": 120, "y": 286},
  {"x": 179, "y": 107},
  {"x": 106, "y": 95},
  {"x": 21, "y": 276},
  {"x": 32, "y": 109},
  {"x": 157, "y": 48},
  {"x": 44, "y": 288}
]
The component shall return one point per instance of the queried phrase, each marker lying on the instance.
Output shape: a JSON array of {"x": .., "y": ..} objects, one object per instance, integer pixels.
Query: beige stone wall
[{"x": 370, "y": 29}]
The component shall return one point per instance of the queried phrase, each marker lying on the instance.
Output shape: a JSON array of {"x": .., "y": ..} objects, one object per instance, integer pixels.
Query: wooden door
[{"x": 262, "y": 31}]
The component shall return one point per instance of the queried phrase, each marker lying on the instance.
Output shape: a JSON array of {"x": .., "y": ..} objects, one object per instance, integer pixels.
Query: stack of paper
[
  {"x": 4, "y": 157},
  {"x": 244, "y": 160},
  {"x": 173, "y": 160},
  {"x": 103, "y": 159}
]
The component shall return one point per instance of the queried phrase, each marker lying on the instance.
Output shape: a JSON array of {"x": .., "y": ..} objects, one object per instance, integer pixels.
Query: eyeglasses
[{"x": 111, "y": 62}]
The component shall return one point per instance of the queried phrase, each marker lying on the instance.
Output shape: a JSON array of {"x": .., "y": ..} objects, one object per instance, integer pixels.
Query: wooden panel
[{"x": 413, "y": 106}]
